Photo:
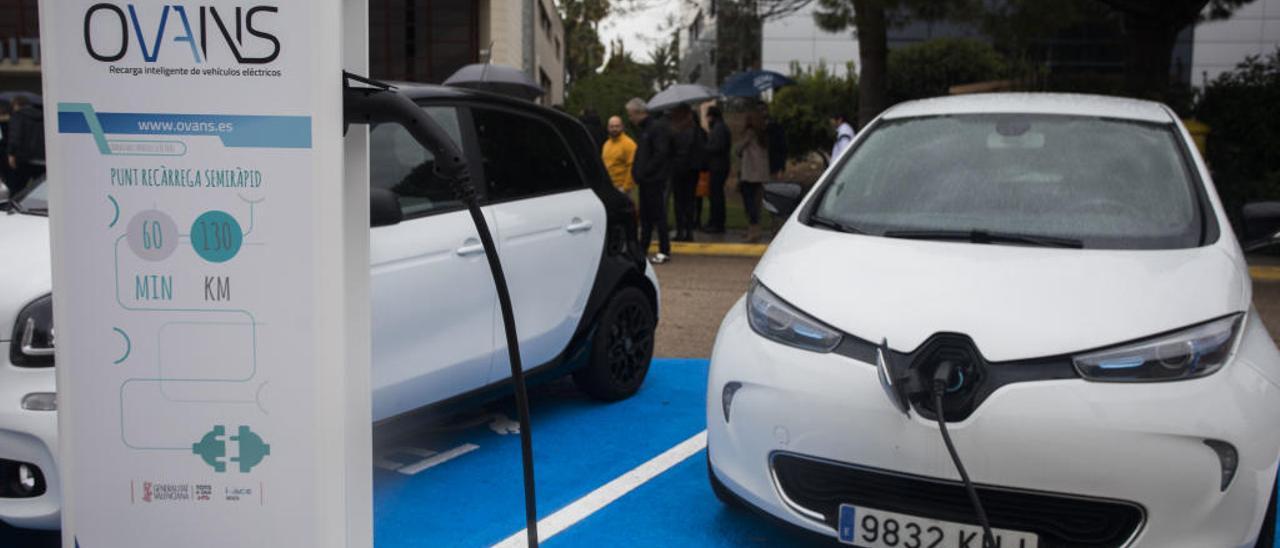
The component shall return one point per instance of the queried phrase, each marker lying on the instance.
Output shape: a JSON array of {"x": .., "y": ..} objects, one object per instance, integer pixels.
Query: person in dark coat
[
  {"x": 4, "y": 142},
  {"x": 595, "y": 127},
  {"x": 719, "y": 143},
  {"x": 25, "y": 148},
  {"x": 651, "y": 170},
  {"x": 776, "y": 138},
  {"x": 686, "y": 161}
]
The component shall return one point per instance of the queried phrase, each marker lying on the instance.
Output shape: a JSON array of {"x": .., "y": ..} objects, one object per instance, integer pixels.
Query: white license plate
[{"x": 870, "y": 528}]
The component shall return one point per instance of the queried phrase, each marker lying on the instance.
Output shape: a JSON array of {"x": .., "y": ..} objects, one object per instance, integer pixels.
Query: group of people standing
[
  {"x": 675, "y": 154},
  {"x": 21, "y": 143}
]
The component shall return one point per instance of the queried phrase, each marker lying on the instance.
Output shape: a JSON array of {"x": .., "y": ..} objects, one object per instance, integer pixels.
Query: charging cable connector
[{"x": 942, "y": 384}]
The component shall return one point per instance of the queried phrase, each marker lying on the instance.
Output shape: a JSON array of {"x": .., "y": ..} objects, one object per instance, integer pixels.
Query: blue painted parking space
[{"x": 475, "y": 499}]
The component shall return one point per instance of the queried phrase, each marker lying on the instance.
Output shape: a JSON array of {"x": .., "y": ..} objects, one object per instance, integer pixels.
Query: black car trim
[{"x": 773, "y": 456}]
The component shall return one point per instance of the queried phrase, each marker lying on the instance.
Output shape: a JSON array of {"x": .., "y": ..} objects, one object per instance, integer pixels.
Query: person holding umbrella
[
  {"x": 687, "y": 160},
  {"x": 651, "y": 170},
  {"x": 25, "y": 148},
  {"x": 753, "y": 171},
  {"x": 719, "y": 142}
]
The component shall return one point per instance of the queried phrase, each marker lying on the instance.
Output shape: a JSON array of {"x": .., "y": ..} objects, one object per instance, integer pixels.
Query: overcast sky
[{"x": 640, "y": 30}]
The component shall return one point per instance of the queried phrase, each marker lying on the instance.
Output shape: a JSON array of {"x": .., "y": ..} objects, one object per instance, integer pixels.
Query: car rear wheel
[
  {"x": 1267, "y": 536},
  {"x": 621, "y": 349}
]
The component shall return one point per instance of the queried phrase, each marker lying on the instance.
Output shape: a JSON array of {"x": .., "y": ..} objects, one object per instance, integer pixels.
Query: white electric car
[
  {"x": 1051, "y": 275},
  {"x": 585, "y": 299}
]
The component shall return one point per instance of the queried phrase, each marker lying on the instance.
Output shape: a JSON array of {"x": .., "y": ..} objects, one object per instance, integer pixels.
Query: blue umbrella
[{"x": 753, "y": 82}]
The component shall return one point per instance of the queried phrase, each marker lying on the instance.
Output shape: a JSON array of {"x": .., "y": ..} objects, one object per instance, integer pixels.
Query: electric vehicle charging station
[{"x": 210, "y": 254}]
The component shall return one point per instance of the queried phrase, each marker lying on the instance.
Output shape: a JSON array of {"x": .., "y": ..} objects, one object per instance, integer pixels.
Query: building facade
[
  {"x": 428, "y": 40},
  {"x": 19, "y": 46},
  {"x": 718, "y": 38},
  {"x": 409, "y": 40},
  {"x": 1199, "y": 54}
]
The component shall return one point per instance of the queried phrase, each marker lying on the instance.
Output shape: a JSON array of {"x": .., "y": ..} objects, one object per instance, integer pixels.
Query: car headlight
[
  {"x": 1193, "y": 352},
  {"x": 776, "y": 320},
  {"x": 32, "y": 342}
]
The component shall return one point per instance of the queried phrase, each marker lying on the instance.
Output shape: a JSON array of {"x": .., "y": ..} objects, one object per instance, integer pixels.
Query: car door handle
[
  {"x": 578, "y": 225},
  {"x": 470, "y": 247}
]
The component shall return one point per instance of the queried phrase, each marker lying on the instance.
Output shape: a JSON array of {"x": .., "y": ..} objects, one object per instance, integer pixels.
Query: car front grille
[{"x": 821, "y": 486}]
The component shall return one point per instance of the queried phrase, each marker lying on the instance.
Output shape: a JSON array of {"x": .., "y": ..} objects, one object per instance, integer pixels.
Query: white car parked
[
  {"x": 585, "y": 299},
  {"x": 1050, "y": 277}
]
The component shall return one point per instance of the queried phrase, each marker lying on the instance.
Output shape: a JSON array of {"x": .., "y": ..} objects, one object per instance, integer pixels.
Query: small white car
[
  {"x": 585, "y": 300},
  {"x": 1050, "y": 276}
]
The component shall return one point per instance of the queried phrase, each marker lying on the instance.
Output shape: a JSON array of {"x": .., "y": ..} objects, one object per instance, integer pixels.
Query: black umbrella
[
  {"x": 9, "y": 96},
  {"x": 496, "y": 79},
  {"x": 681, "y": 94}
]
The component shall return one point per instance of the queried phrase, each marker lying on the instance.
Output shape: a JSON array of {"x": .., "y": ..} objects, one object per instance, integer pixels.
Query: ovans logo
[{"x": 139, "y": 26}]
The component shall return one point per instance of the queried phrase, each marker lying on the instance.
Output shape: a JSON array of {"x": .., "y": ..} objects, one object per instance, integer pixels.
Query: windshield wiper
[
  {"x": 986, "y": 237},
  {"x": 15, "y": 207},
  {"x": 833, "y": 225}
]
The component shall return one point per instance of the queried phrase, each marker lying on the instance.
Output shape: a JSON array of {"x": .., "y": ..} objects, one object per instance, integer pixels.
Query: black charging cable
[
  {"x": 941, "y": 378},
  {"x": 380, "y": 103}
]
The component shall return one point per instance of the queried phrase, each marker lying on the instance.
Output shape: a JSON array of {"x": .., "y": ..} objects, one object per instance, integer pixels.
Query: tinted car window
[
  {"x": 1109, "y": 184},
  {"x": 397, "y": 162},
  {"x": 523, "y": 156}
]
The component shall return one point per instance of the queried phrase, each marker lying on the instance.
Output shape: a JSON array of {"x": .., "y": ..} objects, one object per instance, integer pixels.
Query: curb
[
  {"x": 1258, "y": 273},
  {"x": 1265, "y": 273},
  {"x": 711, "y": 249}
]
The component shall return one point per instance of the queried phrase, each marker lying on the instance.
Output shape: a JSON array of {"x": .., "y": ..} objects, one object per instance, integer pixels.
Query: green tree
[
  {"x": 930, "y": 68},
  {"x": 1150, "y": 29},
  {"x": 584, "y": 52},
  {"x": 870, "y": 21},
  {"x": 805, "y": 109},
  {"x": 664, "y": 63},
  {"x": 1241, "y": 108},
  {"x": 609, "y": 90}
]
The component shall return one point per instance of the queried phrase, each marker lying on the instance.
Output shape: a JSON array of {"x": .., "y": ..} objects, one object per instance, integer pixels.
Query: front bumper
[
  {"x": 1136, "y": 444},
  {"x": 29, "y": 437}
]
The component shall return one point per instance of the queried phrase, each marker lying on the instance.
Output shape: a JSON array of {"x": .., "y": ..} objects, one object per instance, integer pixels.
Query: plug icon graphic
[
  {"x": 252, "y": 449},
  {"x": 212, "y": 449}
]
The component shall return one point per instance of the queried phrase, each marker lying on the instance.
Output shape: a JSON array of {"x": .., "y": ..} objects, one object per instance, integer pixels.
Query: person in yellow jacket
[{"x": 618, "y": 153}]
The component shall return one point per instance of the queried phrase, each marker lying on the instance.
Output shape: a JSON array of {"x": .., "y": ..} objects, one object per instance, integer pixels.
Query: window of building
[
  {"x": 544, "y": 18},
  {"x": 398, "y": 163},
  {"x": 695, "y": 29},
  {"x": 422, "y": 40},
  {"x": 545, "y": 81},
  {"x": 523, "y": 156}
]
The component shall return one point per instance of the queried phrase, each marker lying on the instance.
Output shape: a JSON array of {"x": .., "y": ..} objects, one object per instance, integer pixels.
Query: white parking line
[
  {"x": 430, "y": 458},
  {"x": 609, "y": 492},
  {"x": 441, "y": 458}
]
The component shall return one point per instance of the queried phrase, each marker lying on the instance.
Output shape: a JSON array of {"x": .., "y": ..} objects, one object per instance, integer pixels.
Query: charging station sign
[{"x": 189, "y": 146}]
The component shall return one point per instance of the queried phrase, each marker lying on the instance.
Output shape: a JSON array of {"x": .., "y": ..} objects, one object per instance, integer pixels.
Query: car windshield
[
  {"x": 34, "y": 198},
  {"x": 1024, "y": 179}
]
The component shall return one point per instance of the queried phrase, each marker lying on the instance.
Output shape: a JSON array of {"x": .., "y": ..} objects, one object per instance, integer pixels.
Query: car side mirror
[
  {"x": 384, "y": 208},
  {"x": 781, "y": 199},
  {"x": 1261, "y": 225}
]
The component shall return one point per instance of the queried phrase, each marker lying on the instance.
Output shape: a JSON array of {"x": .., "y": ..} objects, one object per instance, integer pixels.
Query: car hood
[
  {"x": 25, "y": 273},
  {"x": 1015, "y": 302}
]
